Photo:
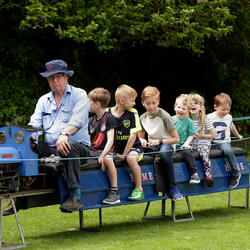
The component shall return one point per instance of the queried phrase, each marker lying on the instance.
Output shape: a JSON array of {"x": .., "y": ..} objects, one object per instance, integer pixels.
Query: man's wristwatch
[{"x": 64, "y": 133}]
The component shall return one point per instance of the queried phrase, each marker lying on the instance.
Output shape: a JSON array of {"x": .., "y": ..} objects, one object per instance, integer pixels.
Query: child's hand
[
  {"x": 144, "y": 142},
  {"x": 153, "y": 143},
  {"x": 198, "y": 136},
  {"x": 186, "y": 146},
  {"x": 240, "y": 137},
  {"x": 121, "y": 156},
  {"x": 101, "y": 162}
]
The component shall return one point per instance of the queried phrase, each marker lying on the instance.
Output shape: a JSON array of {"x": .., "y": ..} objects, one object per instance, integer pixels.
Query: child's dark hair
[{"x": 100, "y": 95}]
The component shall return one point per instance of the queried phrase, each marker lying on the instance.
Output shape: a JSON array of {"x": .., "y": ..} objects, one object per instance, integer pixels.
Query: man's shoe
[
  {"x": 194, "y": 179},
  {"x": 72, "y": 204},
  {"x": 209, "y": 180},
  {"x": 235, "y": 179},
  {"x": 112, "y": 198},
  {"x": 136, "y": 195},
  {"x": 175, "y": 194},
  {"x": 64, "y": 211}
]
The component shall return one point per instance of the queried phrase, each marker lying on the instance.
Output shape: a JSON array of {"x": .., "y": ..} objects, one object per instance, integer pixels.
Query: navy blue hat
[{"x": 56, "y": 66}]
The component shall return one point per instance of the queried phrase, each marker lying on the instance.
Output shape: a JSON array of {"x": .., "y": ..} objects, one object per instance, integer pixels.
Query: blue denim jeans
[
  {"x": 166, "y": 152},
  {"x": 230, "y": 158}
]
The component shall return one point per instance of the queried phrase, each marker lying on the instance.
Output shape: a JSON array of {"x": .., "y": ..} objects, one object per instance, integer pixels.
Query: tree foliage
[
  {"x": 111, "y": 23},
  {"x": 104, "y": 40}
]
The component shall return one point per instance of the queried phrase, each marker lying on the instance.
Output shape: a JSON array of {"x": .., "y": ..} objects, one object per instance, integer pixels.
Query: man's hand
[
  {"x": 32, "y": 141},
  {"x": 62, "y": 145}
]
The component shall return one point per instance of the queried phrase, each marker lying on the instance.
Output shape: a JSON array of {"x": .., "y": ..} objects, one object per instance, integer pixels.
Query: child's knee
[
  {"x": 132, "y": 159},
  {"x": 108, "y": 160}
]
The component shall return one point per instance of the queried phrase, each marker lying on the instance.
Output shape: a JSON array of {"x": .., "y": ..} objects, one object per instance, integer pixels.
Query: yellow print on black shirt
[
  {"x": 126, "y": 123},
  {"x": 120, "y": 136}
]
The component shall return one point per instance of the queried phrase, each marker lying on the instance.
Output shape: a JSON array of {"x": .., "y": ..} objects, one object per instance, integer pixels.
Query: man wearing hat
[{"x": 63, "y": 115}]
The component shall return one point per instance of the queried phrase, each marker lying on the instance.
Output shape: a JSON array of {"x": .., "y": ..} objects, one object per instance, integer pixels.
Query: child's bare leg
[
  {"x": 135, "y": 168},
  {"x": 111, "y": 171},
  {"x": 113, "y": 195}
]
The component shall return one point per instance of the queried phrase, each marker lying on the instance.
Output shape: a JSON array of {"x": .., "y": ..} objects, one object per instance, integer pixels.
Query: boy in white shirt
[
  {"x": 162, "y": 136},
  {"x": 223, "y": 123}
]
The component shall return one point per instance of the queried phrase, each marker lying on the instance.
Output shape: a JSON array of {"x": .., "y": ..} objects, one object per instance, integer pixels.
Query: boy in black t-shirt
[
  {"x": 127, "y": 143},
  {"x": 102, "y": 132}
]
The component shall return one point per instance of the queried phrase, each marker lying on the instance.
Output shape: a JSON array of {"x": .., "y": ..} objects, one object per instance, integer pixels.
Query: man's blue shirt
[{"x": 73, "y": 110}]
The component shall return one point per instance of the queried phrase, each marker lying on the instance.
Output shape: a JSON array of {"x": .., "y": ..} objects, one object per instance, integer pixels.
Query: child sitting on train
[
  {"x": 223, "y": 123},
  {"x": 127, "y": 143},
  {"x": 161, "y": 135},
  {"x": 102, "y": 132},
  {"x": 186, "y": 131},
  {"x": 205, "y": 132}
]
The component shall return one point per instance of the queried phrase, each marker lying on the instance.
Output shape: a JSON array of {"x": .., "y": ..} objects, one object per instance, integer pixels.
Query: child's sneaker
[
  {"x": 194, "y": 179},
  {"x": 235, "y": 179},
  {"x": 209, "y": 180},
  {"x": 112, "y": 198},
  {"x": 136, "y": 195},
  {"x": 175, "y": 194}
]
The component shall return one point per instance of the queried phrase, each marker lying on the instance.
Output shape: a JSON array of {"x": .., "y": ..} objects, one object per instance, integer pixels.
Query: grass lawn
[{"x": 215, "y": 226}]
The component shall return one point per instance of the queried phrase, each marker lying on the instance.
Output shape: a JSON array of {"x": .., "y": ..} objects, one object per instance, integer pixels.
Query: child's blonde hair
[
  {"x": 150, "y": 91},
  {"x": 202, "y": 113},
  {"x": 100, "y": 95},
  {"x": 222, "y": 98},
  {"x": 184, "y": 100},
  {"x": 125, "y": 91}
]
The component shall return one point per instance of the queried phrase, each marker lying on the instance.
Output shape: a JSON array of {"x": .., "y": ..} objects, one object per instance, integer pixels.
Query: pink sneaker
[{"x": 209, "y": 180}]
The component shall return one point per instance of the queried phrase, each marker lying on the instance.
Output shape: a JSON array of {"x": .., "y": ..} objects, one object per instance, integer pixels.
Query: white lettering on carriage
[
  {"x": 240, "y": 166},
  {"x": 228, "y": 168},
  {"x": 147, "y": 176},
  {"x": 150, "y": 175},
  {"x": 132, "y": 178}
]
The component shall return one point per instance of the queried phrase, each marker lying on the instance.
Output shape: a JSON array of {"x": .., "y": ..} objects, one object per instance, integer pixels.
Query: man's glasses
[{"x": 55, "y": 76}]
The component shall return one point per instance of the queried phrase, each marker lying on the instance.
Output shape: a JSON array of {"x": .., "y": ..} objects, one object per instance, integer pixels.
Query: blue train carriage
[{"x": 95, "y": 184}]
